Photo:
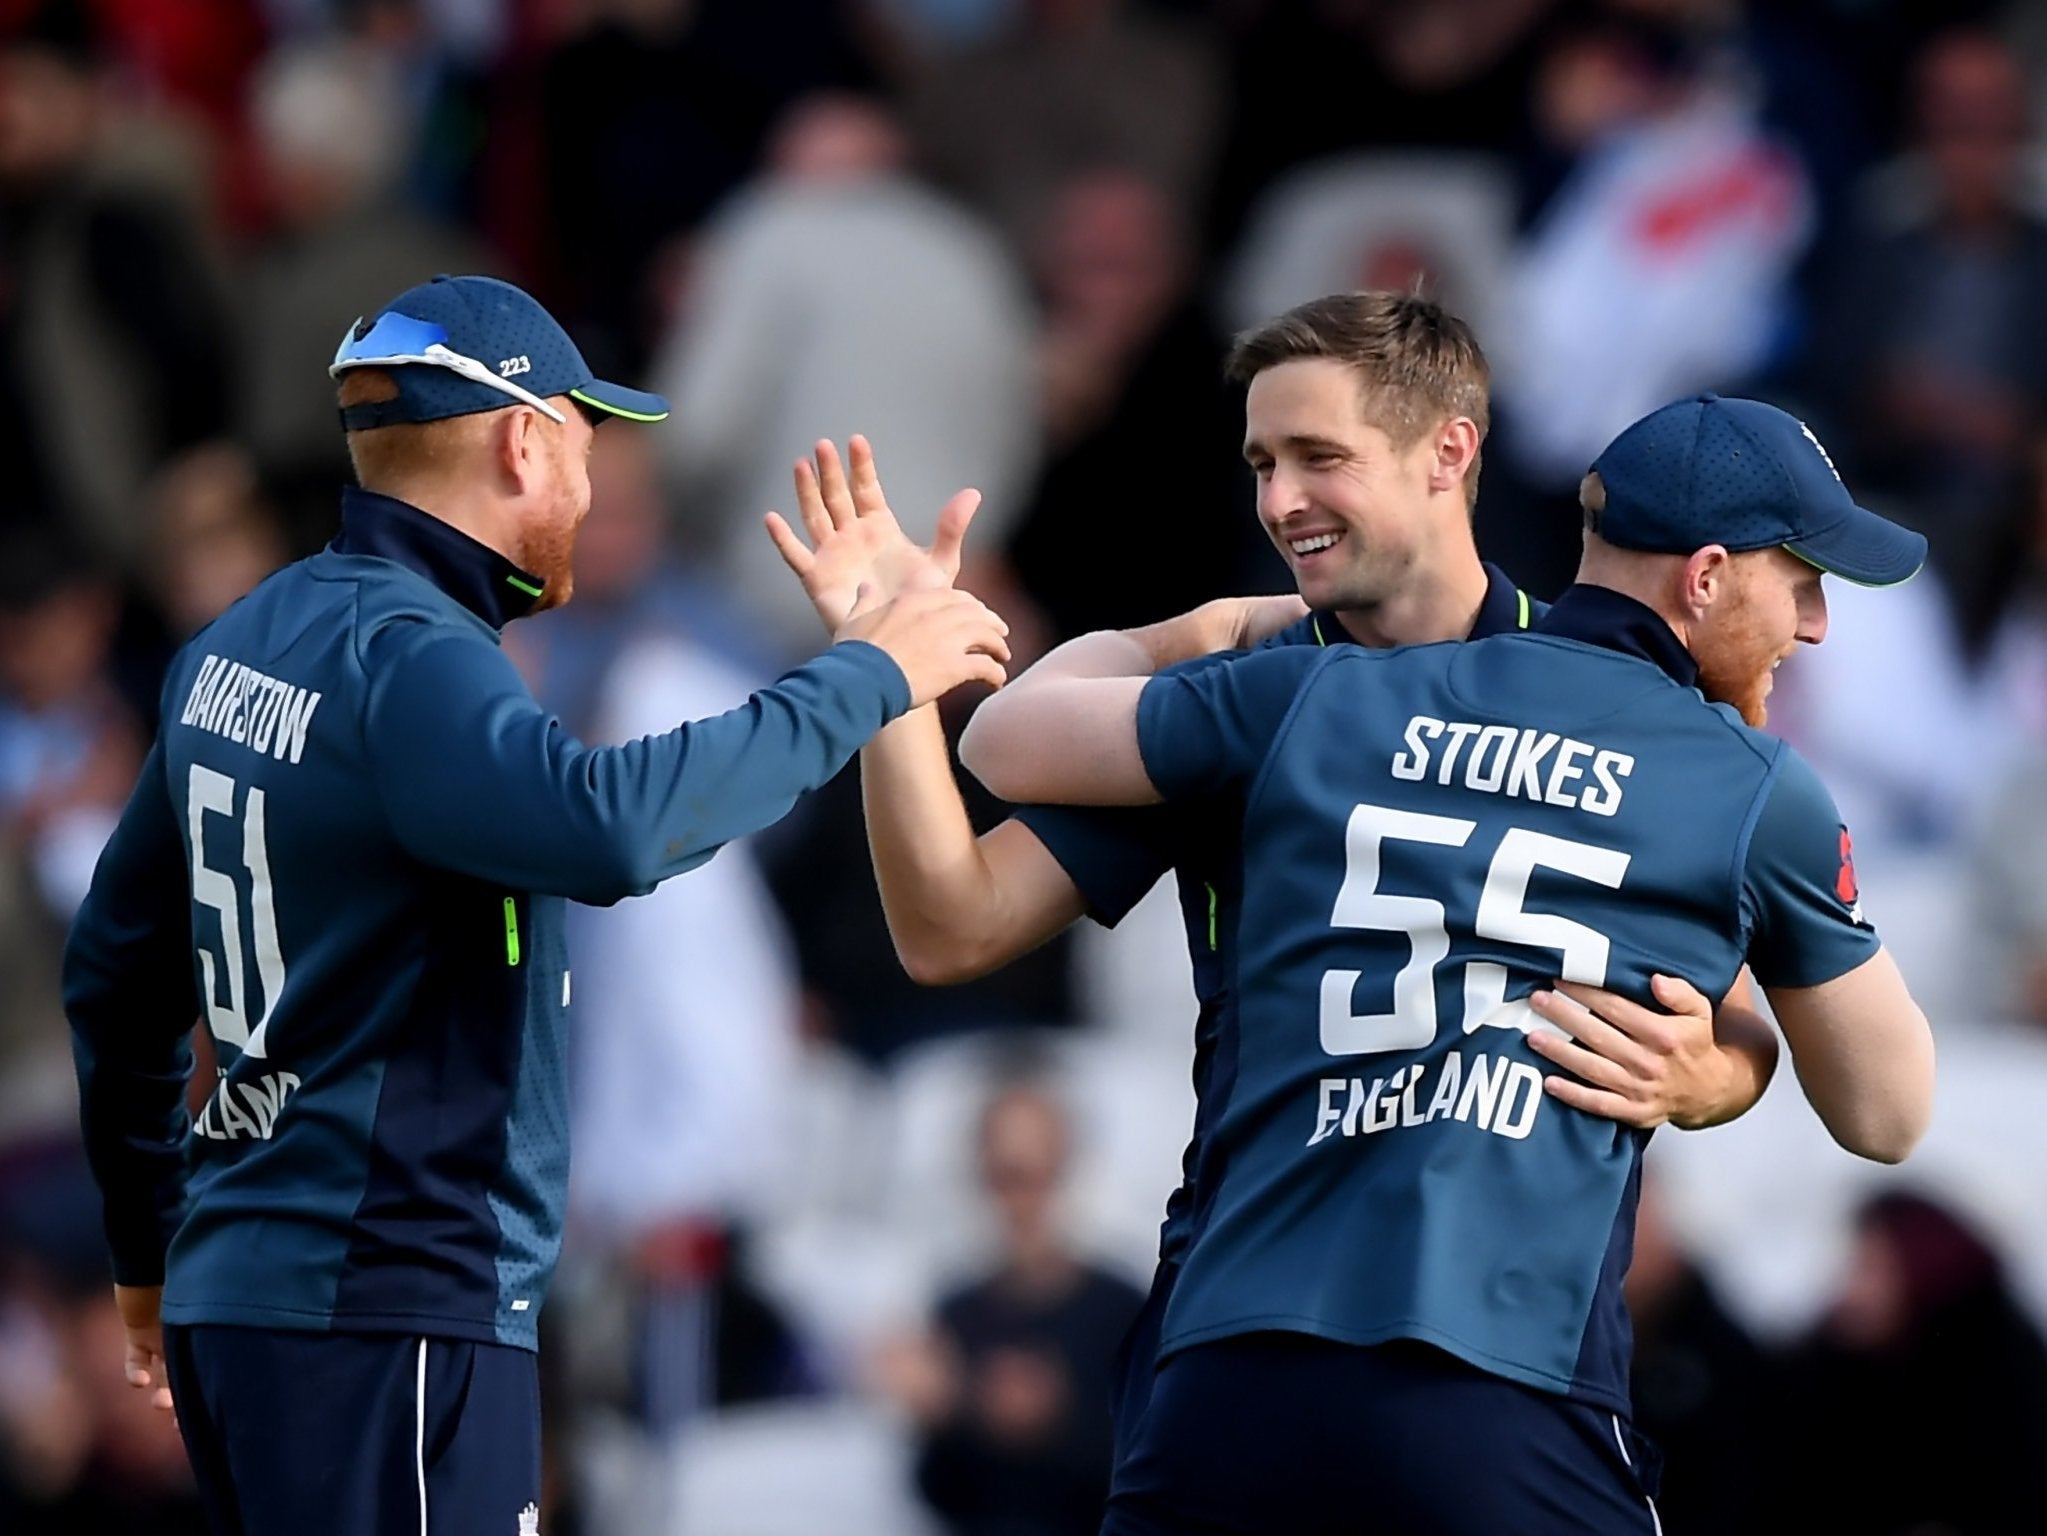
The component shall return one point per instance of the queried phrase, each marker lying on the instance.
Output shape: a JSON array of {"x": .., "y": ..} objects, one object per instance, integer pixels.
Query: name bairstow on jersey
[{"x": 264, "y": 714}]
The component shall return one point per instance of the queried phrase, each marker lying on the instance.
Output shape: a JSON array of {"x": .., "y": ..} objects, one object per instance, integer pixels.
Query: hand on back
[{"x": 855, "y": 539}]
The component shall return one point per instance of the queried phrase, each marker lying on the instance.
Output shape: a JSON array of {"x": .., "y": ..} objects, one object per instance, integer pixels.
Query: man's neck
[{"x": 1431, "y": 606}]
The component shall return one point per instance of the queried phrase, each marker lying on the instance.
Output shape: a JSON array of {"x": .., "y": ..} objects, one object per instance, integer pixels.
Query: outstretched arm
[
  {"x": 1691, "y": 1067},
  {"x": 957, "y": 905}
]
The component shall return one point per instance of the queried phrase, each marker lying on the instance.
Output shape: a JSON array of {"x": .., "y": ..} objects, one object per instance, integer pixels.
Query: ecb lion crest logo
[{"x": 1845, "y": 884}]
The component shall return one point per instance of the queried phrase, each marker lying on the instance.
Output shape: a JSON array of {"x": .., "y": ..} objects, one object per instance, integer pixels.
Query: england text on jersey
[{"x": 264, "y": 714}]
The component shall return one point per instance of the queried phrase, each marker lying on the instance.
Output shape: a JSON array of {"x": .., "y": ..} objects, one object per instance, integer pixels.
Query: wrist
[{"x": 1719, "y": 1105}]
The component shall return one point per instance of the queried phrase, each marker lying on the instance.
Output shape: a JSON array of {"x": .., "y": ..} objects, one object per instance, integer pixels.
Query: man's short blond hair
[
  {"x": 1417, "y": 364},
  {"x": 404, "y": 453}
]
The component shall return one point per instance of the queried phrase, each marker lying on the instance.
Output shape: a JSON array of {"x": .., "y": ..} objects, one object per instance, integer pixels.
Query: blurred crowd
[{"x": 849, "y": 1255}]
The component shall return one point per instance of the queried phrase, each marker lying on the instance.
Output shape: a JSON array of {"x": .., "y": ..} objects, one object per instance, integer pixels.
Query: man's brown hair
[
  {"x": 1417, "y": 364},
  {"x": 405, "y": 452}
]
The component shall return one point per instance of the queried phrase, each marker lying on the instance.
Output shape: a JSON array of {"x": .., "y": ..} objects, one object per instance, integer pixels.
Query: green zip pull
[{"x": 511, "y": 931}]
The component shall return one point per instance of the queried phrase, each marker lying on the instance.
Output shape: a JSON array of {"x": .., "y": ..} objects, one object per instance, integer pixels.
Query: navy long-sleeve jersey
[{"x": 348, "y": 852}]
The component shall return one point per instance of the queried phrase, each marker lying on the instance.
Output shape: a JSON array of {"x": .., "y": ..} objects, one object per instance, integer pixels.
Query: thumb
[
  {"x": 953, "y": 519},
  {"x": 866, "y": 598}
]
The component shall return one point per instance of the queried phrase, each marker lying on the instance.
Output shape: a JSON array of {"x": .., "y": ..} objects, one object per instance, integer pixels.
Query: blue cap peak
[{"x": 1746, "y": 475}]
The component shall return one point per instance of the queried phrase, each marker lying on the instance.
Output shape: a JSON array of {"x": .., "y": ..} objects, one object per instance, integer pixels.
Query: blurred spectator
[
  {"x": 114, "y": 350},
  {"x": 332, "y": 137},
  {"x": 80, "y": 1450},
  {"x": 69, "y": 749},
  {"x": 1702, "y": 1393},
  {"x": 1935, "y": 353},
  {"x": 1438, "y": 222},
  {"x": 1073, "y": 85},
  {"x": 69, "y": 753},
  {"x": 213, "y": 536},
  {"x": 1920, "y": 1404},
  {"x": 1660, "y": 266},
  {"x": 685, "y": 1003},
  {"x": 1141, "y": 433},
  {"x": 1011, "y": 1387},
  {"x": 1314, "y": 77},
  {"x": 838, "y": 296},
  {"x": 651, "y": 113}
]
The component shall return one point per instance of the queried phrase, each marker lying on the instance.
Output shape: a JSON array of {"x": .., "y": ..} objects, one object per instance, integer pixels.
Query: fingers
[
  {"x": 1680, "y": 996},
  {"x": 1589, "y": 1065},
  {"x": 794, "y": 552},
  {"x": 810, "y": 504},
  {"x": 953, "y": 519},
  {"x": 985, "y": 669},
  {"x": 1565, "y": 1008},
  {"x": 1658, "y": 1031},
  {"x": 1608, "y": 1106},
  {"x": 867, "y": 497},
  {"x": 831, "y": 480}
]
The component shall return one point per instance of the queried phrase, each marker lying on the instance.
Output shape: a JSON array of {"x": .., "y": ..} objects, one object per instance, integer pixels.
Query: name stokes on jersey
[
  {"x": 1514, "y": 760},
  {"x": 265, "y": 714}
]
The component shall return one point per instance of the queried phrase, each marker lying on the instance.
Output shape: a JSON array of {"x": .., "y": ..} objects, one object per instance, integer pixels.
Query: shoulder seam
[{"x": 1738, "y": 871}]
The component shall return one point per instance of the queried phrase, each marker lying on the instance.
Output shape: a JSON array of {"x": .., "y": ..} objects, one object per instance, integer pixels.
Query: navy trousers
[
  {"x": 1278, "y": 1434},
  {"x": 338, "y": 1434}
]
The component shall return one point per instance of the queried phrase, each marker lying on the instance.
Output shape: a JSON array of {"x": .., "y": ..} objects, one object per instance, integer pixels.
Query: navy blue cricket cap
[
  {"x": 1745, "y": 475},
  {"x": 459, "y": 345}
]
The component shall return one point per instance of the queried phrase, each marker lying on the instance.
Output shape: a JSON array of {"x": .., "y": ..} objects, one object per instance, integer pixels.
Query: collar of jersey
[
  {"x": 476, "y": 576},
  {"x": 1602, "y": 616},
  {"x": 1504, "y": 609}
]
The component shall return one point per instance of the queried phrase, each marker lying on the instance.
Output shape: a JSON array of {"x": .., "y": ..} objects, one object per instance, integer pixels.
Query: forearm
[
  {"x": 958, "y": 905},
  {"x": 1069, "y": 741},
  {"x": 599, "y": 824}
]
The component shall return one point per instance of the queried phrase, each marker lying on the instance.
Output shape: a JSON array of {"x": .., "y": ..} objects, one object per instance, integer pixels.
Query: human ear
[
  {"x": 1706, "y": 577},
  {"x": 1456, "y": 450}
]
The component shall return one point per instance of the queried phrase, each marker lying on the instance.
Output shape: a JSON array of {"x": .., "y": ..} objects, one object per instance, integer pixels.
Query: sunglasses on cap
[{"x": 396, "y": 339}]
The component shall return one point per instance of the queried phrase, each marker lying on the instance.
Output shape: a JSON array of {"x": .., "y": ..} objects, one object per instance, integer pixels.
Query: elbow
[
  {"x": 936, "y": 960},
  {"x": 1891, "y": 1135},
  {"x": 978, "y": 749}
]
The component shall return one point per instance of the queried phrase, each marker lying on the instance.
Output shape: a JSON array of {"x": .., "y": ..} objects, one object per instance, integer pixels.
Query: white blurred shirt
[{"x": 869, "y": 306}]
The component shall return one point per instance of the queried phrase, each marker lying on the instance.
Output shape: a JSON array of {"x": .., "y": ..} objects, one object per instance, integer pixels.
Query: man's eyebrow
[{"x": 1305, "y": 442}]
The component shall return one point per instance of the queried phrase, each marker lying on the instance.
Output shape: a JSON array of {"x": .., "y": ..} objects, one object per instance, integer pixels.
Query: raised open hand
[{"x": 855, "y": 538}]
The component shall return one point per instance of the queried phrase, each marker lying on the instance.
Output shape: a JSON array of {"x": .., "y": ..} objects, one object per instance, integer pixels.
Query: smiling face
[
  {"x": 1773, "y": 603},
  {"x": 1349, "y": 509}
]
